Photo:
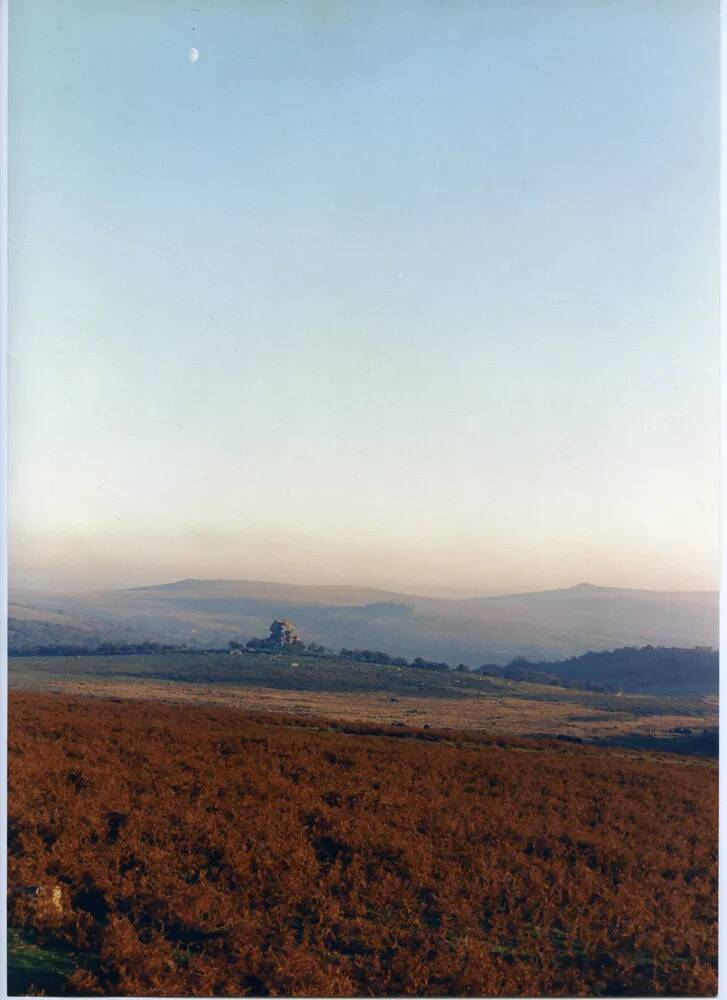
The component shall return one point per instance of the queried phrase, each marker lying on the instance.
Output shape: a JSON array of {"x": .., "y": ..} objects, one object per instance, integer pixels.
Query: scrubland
[
  {"x": 357, "y": 692},
  {"x": 201, "y": 850}
]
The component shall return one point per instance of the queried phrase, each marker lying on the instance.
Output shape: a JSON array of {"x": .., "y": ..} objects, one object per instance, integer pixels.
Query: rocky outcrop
[{"x": 282, "y": 634}]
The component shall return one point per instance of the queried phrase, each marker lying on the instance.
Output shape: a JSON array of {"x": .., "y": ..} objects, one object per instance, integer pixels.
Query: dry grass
[{"x": 499, "y": 716}]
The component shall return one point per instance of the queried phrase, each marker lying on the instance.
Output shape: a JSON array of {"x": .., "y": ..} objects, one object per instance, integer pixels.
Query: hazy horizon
[
  {"x": 108, "y": 583},
  {"x": 418, "y": 295}
]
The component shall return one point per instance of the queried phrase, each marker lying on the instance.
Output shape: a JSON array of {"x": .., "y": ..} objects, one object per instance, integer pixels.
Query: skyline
[
  {"x": 415, "y": 295},
  {"x": 19, "y": 593}
]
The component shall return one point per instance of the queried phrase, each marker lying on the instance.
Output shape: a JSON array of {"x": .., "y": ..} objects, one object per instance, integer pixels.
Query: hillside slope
[
  {"x": 657, "y": 669},
  {"x": 542, "y": 626}
]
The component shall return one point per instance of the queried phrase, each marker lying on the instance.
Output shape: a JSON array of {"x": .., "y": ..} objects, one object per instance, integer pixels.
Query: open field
[
  {"x": 281, "y": 671},
  {"x": 503, "y": 715},
  {"x": 176, "y": 850},
  {"x": 385, "y": 694}
]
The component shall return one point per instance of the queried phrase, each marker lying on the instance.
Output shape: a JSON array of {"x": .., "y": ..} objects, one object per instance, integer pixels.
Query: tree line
[{"x": 102, "y": 649}]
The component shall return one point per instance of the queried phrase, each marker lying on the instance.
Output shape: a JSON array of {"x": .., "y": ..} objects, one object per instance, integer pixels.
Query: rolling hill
[{"x": 545, "y": 625}]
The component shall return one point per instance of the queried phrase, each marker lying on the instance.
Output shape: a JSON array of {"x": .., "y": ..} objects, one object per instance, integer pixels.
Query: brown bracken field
[{"x": 202, "y": 850}]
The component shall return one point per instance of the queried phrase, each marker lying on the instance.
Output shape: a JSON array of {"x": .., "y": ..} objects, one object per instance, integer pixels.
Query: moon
[{"x": 193, "y": 55}]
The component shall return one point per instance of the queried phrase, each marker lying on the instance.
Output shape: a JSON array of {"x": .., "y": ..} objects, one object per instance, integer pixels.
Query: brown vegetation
[
  {"x": 501, "y": 715},
  {"x": 202, "y": 851}
]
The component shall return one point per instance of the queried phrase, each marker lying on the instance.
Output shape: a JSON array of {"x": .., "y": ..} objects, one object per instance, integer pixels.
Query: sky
[{"x": 419, "y": 294}]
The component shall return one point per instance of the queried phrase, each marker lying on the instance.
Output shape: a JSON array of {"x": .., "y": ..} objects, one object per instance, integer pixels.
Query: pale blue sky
[{"x": 415, "y": 293}]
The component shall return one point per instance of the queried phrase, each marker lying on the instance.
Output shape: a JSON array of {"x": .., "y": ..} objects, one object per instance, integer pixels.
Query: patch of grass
[
  {"x": 277, "y": 671},
  {"x": 35, "y": 969}
]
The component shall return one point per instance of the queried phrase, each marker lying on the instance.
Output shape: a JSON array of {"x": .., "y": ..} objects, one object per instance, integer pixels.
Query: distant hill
[
  {"x": 32, "y": 627},
  {"x": 653, "y": 669},
  {"x": 260, "y": 590},
  {"x": 546, "y": 625}
]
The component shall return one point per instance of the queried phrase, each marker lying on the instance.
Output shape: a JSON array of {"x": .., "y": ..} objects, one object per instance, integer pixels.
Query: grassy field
[
  {"x": 342, "y": 689},
  {"x": 279, "y": 671}
]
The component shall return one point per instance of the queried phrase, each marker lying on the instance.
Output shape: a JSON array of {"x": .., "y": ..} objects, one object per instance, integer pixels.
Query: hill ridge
[{"x": 542, "y": 625}]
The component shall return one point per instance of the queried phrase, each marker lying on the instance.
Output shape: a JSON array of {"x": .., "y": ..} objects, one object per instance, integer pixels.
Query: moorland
[
  {"x": 289, "y": 821},
  {"x": 545, "y": 625},
  {"x": 344, "y": 689},
  {"x": 174, "y": 850}
]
